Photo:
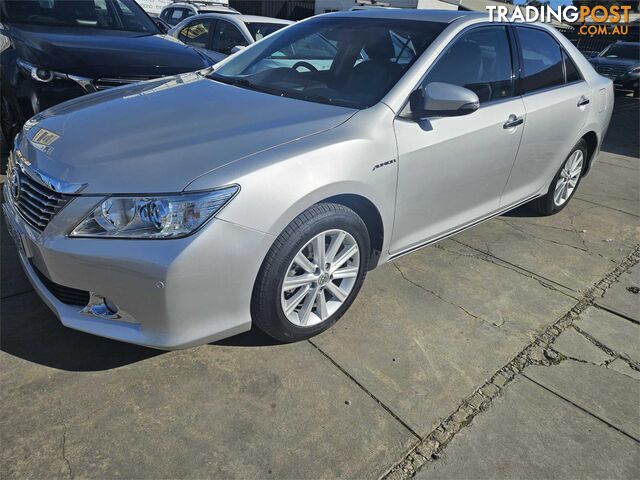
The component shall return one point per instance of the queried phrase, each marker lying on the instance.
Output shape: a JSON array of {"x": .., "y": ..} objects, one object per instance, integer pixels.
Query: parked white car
[
  {"x": 219, "y": 35},
  {"x": 177, "y": 11}
]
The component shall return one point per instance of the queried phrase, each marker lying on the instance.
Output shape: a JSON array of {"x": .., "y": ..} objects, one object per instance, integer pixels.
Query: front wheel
[
  {"x": 312, "y": 273},
  {"x": 565, "y": 183}
]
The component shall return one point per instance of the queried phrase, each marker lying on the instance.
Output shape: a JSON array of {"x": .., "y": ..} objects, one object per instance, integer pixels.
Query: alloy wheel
[
  {"x": 569, "y": 176},
  {"x": 320, "y": 278}
]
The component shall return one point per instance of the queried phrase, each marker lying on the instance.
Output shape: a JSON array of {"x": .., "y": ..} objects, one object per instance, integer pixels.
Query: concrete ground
[{"x": 510, "y": 350}]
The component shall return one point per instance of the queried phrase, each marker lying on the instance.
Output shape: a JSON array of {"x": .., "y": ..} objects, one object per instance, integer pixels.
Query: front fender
[{"x": 279, "y": 184}]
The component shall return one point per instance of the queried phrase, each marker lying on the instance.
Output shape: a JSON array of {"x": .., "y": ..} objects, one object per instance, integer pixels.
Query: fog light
[
  {"x": 101, "y": 307},
  {"x": 44, "y": 75}
]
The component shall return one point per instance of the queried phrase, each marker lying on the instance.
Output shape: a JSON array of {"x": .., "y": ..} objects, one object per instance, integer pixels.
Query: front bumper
[{"x": 169, "y": 293}]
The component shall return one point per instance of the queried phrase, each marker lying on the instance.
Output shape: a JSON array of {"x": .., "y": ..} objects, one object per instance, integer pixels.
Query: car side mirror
[
  {"x": 442, "y": 100},
  {"x": 237, "y": 48}
]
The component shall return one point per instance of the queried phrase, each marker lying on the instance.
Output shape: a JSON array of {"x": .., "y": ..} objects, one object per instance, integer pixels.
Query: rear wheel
[
  {"x": 565, "y": 183},
  {"x": 312, "y": 273}
]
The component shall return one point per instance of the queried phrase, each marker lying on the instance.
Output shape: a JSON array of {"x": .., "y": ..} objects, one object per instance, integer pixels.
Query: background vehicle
[
  {"x": 220, "y": 34},
  {"x": 60, "y": 49},
  {"x": 620, "y": 62},
  {"x": 274, "y": 189},
  {"x": 181, "y": 9}
]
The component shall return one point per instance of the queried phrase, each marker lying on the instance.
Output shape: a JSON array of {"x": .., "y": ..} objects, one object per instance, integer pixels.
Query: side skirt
[{"x": 463, "y": 228}]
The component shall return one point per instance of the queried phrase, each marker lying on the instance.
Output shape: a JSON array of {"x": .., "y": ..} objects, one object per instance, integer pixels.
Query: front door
[{"x": 452, "y": 170}]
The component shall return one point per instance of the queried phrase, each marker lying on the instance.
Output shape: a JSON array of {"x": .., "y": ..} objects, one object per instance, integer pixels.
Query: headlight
[
  {"x": 635, "y": 69},
  {"x": 5, "y": 42},
  {"x": 153, "y": 217},
  {"x": 40, "y": 74}
]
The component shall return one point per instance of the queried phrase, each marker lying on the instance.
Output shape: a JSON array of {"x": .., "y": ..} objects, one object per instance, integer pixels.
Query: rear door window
[
  {"x": 542, "y": 60},
  {"x": 572, "y": 74}
]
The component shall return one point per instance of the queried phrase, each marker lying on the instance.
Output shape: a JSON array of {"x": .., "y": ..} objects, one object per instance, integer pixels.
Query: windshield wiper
[{"x": 244, "y": 83}]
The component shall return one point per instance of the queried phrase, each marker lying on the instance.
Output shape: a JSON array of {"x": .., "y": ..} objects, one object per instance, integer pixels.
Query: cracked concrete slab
[
  {"x": 623, "y": 297},
  {"x": 613, "y": 185},
  {"x": 525, "y": 434},
  {"x": 485, "y": 288},
  {"x": 573, "y": 248},
  {"x": 620, "y": 335},
  {"x": 604, "y": 393},
  {"x": 574, "y": 345},
  {"x": 215, "y": 411},
  {"x": 623, "y": 367},
  {"x": 432, "y": 339}
]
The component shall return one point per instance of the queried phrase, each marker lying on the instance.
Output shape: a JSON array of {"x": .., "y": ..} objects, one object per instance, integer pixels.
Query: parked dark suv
[
  {"x": 620, "y": 62},
  {"x": 55, "y": 50}
]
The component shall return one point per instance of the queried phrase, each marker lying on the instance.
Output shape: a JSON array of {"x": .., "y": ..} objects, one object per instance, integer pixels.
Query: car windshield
[
  {"x": 625, "y": 50},
  {"x": 105, "y": 14},
  {"x": 346, "y": 61},
  {"x": 261, "y": 30}
]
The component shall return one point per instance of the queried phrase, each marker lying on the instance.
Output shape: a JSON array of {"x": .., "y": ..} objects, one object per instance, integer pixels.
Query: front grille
[
  {"x": 36, "y": 203},
  {"x": 611, "y": 71},
  {"x": 105, "y": 83},
  {"x": 68, "y": 295}
]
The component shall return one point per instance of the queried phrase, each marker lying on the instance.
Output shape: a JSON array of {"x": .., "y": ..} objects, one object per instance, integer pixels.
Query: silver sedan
[{"x": 259, "y": 192}]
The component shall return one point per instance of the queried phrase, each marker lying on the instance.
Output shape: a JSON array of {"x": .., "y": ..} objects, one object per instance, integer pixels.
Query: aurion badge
[{"x": 14, "y": 183}]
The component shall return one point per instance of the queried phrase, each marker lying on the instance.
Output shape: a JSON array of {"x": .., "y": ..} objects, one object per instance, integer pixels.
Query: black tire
[
  {"x": 545, "y": 205},
  {"x": 266, "y": 307}
]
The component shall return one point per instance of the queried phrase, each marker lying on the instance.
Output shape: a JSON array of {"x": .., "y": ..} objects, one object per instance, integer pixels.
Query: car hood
[
  {"x": 96, "y": 53},
  {"x": 614, "y": 62},
  {"x": 159, "y": 135}
]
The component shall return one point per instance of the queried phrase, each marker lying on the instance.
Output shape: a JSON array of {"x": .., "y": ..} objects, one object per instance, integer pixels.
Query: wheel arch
[
  {"x": 591, "y": 138},
  {"x": 370, "y": 215}
]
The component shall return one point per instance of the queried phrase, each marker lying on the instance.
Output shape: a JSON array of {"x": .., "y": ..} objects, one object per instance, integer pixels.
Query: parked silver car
[
  {"x": 218, "y": 35},
  {"x": 184, "y": 210}
]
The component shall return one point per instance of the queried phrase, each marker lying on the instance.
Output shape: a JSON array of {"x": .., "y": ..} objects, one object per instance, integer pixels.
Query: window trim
[
  {"x": 514, "y": 62},
  {"x": 563, "y": 52}
]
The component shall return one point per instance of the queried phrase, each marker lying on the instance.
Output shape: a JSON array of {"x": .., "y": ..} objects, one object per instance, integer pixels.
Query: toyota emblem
[{"x": 14, "y": 183}]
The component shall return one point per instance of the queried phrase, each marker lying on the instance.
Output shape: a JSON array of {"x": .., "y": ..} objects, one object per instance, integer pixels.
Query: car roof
[
  {"x": 241, "y": 18},
  {"x": 201, "y": 7},
  {"x": 438, "y": 16}
]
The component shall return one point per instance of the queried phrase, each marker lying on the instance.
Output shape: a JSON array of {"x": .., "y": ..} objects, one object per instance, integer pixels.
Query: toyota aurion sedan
[{"x": 260, "y": 191}]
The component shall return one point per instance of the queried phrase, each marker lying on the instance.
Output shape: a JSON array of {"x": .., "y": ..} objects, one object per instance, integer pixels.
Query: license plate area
[{"x": 18, "y": 237}]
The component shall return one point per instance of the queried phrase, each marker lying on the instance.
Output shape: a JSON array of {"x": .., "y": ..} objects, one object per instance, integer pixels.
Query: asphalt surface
[{"x": 510, "y": 350}]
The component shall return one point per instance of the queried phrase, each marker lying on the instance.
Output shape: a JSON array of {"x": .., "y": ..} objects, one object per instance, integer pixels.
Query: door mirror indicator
[{"x": 438, "y": 99}]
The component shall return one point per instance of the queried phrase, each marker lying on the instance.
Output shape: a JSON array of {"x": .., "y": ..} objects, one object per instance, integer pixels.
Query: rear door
[
  {"x": 557, "y": 101},
  {"x": 452, "y": 170}
]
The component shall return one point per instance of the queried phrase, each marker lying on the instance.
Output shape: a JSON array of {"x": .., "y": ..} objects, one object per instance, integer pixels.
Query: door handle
[
  {"x": 583, "y": 101},
  {"x": 513, "y": 121}
]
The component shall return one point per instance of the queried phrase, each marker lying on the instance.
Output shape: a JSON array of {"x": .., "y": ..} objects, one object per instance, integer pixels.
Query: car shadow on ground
[{"x": 44, "y": 340}]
